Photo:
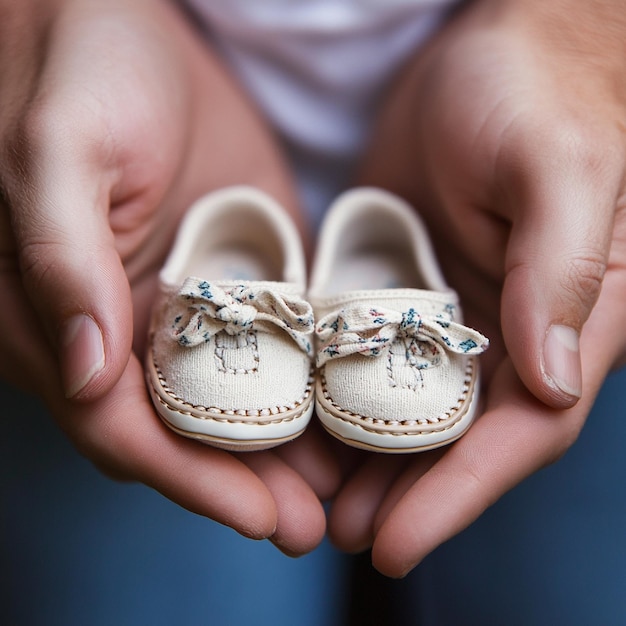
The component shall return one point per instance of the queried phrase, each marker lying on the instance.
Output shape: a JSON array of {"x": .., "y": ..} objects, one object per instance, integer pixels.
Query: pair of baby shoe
[{"x": 237, "y": 360}]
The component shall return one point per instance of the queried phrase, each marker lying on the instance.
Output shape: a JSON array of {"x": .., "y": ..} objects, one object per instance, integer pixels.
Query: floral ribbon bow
[
  {"x": 369, "y": 331},
  {"x": 209, "y": 309}
]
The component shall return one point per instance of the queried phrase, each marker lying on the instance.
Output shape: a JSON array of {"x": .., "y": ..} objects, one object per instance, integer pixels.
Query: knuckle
[
  {"x": 39, "y": 261},
  {"x": 583, "y": 278},
  {"x": 579, "y": 142},
  {"x": 51, "y": 129},
  {"x": 41, "y": 127},
  {"x": 31, "y": 132},
  {"x": 585, "y": 147}
]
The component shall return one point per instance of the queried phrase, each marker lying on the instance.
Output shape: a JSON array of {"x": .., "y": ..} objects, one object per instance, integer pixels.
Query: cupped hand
[
  {"x": 114, "y": 117},
  {"x": 508, "y": 134}
]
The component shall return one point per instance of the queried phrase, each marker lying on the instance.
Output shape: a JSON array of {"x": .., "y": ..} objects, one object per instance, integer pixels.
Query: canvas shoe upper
[
  {"x": 397, "y": 369},
  {"x": 229, "y": 359}
]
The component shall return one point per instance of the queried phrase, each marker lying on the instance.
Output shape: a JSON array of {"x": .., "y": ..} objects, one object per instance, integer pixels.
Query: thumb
[
  {"x": 71, "y": 270},
  {"x": 556, "y": 259}
]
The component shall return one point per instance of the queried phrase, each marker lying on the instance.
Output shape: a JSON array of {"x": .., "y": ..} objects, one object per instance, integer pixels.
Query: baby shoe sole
[
  {"x": 377, "y": 436},
  {"x": 236, "y": 430}
]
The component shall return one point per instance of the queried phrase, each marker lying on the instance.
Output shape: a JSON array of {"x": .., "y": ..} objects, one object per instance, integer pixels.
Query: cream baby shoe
[
  {"x": 397, "y": 370},
  {"x": 230, "y": 348}
]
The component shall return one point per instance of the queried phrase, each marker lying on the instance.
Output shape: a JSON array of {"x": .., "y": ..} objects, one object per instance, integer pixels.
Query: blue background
[{"x": 78, "y": 549}]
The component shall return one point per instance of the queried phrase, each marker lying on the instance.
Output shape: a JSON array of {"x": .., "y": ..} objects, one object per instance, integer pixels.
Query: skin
[
  {"x": 114, "y": 117},
  {"x": 507, "y": 134}
]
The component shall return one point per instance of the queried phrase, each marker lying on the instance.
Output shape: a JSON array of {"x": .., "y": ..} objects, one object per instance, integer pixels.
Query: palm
[
  {"x": 495, "y": 152},
  {"x": 137, "y": 134}
]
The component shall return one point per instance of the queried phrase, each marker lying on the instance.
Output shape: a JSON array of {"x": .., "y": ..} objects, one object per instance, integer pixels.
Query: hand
[
  {"x": 507, "y": 134},
  {"x": 114, "y": 117}
]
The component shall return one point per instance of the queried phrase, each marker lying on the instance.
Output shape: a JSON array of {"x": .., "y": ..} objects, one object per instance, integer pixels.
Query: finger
[
  {"x": 562, "y": 209},
  {"x": 301, "y": 519},
  {"x": 351, "y": 520},
  {"x": 515, "y": 437},
  {"x": 123, "y": 436},
  {"x": 488, "y": 461},
  {"x": 58, "y": 191},
  {"x": 313, "y": 459},
  {"x": 419, "y": 465}
]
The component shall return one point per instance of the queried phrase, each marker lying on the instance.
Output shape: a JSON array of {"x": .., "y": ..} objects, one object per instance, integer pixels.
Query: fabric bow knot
[
  {"x": 371, "y": 331},
  {"x": 204, "y": 309},
  {"x": 237, "y": 317}
]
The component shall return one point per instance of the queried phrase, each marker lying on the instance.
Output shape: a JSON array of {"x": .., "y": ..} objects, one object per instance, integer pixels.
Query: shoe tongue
[
  {"x": 424, "y": 301},
  {"x": 278, "y": 287}
]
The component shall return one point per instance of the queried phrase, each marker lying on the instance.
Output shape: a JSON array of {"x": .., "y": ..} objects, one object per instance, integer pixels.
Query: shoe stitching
[
  {"x": 392, "y": 368},
  {"x": 231, "y": 413},
  {"x": 444, "y": 416},
  {"x": 221, "y": 340},
  {"x": 211, "y": 418}
]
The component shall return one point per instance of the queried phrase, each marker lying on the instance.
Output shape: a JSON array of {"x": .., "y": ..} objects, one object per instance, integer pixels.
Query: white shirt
[{"x": 318, "y": 69}]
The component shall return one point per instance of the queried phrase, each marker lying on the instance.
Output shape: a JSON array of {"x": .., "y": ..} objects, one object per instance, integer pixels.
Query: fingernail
[
  {"x": 82, "y": 353},
  {"x": 562, "y": 360}
]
